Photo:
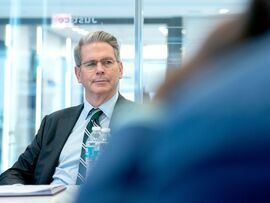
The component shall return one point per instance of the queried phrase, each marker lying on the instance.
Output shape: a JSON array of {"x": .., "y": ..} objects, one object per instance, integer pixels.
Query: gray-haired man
[{"x": 54, "y": 154}]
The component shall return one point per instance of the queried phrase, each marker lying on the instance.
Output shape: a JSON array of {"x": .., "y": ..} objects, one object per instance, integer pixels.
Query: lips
[{"x": 100, "y": 80}]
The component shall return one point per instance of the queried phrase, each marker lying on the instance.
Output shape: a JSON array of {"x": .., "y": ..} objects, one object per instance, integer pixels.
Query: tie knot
[{"x": 95, "y": 114}]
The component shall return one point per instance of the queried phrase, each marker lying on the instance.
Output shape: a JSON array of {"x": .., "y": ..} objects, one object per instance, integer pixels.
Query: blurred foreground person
[{"x": 211, "y": 144}]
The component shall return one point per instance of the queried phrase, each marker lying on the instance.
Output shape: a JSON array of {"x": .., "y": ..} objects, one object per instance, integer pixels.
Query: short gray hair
[{"x": 98, "y": 36}]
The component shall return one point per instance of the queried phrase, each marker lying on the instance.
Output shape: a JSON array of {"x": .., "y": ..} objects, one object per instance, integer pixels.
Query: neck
[{"x": 97, "y": 100}]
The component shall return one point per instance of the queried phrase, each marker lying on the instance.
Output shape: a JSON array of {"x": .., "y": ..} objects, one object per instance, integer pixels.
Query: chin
[{"x": 102, "y": 90}]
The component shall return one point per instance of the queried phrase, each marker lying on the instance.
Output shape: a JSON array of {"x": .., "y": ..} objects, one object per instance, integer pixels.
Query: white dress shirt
[{"x": 67, "y": 169}]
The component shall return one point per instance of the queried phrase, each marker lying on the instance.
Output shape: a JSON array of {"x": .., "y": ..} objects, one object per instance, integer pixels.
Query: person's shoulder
[
  {"x": 66, "y": 112},
  {"x": 122, "y": 100},
  {"x": 124, "y": 104}
]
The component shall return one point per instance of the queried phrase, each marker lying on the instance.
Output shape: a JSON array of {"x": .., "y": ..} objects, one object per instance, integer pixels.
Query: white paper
[{"x": 30, "y": 190}]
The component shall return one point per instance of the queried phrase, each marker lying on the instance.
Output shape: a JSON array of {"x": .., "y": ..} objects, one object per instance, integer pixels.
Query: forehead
[{"x": 96, "y": 50}]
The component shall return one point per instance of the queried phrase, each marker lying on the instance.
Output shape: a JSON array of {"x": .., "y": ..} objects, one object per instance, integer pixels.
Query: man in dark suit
[{"x": 54, "y": 154}]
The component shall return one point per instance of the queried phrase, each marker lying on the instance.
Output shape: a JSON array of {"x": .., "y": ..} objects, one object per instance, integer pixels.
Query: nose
[{"x": 100, "y": 67}]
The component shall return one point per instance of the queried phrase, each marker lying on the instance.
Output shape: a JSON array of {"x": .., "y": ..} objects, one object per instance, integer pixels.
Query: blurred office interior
[{"x": 36, "y": 52}]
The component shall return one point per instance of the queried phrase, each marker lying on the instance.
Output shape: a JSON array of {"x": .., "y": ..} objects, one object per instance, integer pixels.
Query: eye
[
  {"x": 91, "y": 64},
  {"x": 107, "y": 62}
]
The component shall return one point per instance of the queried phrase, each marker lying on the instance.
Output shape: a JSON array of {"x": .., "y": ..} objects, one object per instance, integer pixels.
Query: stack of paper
[{"x": 30, "y": 190}]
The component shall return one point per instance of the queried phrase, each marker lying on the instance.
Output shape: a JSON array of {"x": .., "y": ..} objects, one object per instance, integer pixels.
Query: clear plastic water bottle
[
  {"x": 104, "y": 135},
  {"x": 92, "y": 146}
]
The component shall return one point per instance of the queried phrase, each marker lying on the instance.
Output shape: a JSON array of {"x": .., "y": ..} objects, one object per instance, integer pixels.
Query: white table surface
[{"x": 66, "y": 196}]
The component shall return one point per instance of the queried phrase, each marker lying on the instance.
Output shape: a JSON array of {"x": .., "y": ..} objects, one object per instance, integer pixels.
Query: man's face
[{"x": 100, "y": 71}]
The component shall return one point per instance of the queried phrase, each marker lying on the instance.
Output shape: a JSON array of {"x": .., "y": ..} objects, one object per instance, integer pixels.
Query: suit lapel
[
  {"x": 120, "y": 105},
  {"x": 64, "y": 127}
]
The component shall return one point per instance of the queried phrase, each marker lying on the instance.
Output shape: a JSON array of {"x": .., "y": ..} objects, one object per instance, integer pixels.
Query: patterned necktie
[{"x": 95, "y": 114}]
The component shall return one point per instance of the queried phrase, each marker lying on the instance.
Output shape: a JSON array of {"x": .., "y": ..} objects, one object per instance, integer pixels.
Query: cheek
[
  {"x": 86, "y": 76},
  {"x": 118, "y": 74}
]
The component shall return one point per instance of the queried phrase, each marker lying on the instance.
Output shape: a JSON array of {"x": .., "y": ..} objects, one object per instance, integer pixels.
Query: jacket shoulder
[{"x": 66, "y": 112}]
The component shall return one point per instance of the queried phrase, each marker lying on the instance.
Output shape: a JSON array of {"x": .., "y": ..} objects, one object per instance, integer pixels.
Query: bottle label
[{"x": 90, "y": 152}]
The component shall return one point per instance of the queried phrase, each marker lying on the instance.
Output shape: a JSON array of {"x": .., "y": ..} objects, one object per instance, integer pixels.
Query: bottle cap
[
  {"x": 95, "y": 128},
  {"x": 105, "y": 130}
]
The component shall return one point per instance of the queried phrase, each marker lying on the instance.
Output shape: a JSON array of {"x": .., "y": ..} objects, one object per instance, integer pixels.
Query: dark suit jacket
[{"x": 37, "y": 164}]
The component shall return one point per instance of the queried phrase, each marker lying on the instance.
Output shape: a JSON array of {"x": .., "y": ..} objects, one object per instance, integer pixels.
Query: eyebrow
[
  {"x": 101, "y": 59},
  {"x": 92, "y": 60}
]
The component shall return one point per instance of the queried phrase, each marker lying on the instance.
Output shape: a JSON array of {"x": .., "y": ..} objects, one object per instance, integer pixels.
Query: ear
[
  {"x": 78, "y": 73},
  {"x": 120, "y": 70}
]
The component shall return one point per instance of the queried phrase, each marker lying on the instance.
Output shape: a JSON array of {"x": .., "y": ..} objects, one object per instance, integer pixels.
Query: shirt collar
[{"x": 107, "y": 107}]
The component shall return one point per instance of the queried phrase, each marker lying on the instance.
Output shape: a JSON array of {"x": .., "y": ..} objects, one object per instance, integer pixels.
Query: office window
[{"x": 37, "y": 39}]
